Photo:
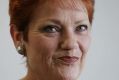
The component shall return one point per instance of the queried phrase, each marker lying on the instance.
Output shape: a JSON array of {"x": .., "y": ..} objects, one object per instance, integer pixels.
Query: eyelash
[
  {"x": 82, "y": 28},
  {"x": 51, "y": 29}
]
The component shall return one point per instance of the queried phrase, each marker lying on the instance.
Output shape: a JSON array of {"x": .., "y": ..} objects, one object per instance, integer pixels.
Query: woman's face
[{"x": 58, "y": 39}]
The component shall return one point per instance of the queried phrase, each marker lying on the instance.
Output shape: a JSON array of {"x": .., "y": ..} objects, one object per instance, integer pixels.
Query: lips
[{"x": 68, "y": 59}]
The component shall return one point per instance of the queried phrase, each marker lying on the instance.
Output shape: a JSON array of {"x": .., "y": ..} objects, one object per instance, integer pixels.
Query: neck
[{"x": 31, "y": 76}]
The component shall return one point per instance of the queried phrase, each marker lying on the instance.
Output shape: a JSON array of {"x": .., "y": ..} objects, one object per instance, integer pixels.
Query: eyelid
[
  {"x": 80, "y": 29},
  {"x": 50, "y": 28},
  {"x": 86, "y": 26}
]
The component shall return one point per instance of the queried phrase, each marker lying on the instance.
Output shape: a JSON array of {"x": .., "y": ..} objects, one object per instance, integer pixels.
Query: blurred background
[{"x": 102, "y": 60}]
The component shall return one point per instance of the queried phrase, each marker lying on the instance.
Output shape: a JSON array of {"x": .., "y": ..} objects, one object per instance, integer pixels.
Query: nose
[{"x": 69, "y": 41}]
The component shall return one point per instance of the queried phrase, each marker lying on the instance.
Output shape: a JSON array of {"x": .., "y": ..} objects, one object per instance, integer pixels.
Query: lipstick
[{"x": 68, "y": 59}]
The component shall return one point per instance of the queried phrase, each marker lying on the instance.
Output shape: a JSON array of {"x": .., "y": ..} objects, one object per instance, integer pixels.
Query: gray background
[{"x": 103, "y": 58}]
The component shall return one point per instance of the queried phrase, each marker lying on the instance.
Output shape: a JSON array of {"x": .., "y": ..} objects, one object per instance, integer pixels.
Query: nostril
[{"x": 68, "y": 40}]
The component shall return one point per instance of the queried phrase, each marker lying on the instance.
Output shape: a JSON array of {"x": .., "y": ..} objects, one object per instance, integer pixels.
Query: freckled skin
[{"x": 44, "y": 47}]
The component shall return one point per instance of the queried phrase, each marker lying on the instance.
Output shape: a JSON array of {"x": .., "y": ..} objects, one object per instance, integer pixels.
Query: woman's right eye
[{"x": 51, "y": 29}]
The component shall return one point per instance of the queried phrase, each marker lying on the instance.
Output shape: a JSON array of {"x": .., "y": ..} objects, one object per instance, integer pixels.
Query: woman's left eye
[{"x": 82, "y": 28}]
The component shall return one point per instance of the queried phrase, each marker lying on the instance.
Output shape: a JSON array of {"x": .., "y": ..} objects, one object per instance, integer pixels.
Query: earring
[{"x": 21, "y": 50}]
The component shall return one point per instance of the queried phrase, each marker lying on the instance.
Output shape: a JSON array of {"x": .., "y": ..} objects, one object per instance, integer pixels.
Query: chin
[
  {"x": 69, "y": 73},
  {"x": 69, "y": 76}
]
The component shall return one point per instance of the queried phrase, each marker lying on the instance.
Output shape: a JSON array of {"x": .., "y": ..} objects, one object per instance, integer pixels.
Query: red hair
[{"x": 90, "y": 8}]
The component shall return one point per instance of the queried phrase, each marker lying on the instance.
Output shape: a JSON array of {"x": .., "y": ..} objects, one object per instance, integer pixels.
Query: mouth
[{"x": 68, "y": 60}]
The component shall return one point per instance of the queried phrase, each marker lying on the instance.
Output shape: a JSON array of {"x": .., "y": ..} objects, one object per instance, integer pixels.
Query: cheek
[
  {"x": 40, "y": 51},
  {"x": 84, "y": 46},
  {"x": 43, "y": 46},
  {"x": 85, "y": 43}
]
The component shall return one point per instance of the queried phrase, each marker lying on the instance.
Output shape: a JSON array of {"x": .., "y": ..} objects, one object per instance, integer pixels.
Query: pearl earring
[{"x": 21, "y": 50}]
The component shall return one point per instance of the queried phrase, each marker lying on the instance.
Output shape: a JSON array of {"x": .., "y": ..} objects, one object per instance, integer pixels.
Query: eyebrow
[
  {"x": 55, "y": 21},
  {"x": 59, "y": 22},
  {"x": 81, "y": 21}
]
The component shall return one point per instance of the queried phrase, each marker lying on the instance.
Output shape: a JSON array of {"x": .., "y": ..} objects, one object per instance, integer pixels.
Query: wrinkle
[
  {"x": 70, "y": 4},
  {"x": 67, "y": 4}
]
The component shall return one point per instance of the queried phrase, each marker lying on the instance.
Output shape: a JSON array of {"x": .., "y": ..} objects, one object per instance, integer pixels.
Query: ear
[{"x": 16, "y": 35}]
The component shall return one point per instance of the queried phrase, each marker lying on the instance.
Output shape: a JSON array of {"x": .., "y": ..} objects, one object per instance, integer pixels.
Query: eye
[
  {"x": 81, "y": 28},
  {"x": 51, "y": 29}
]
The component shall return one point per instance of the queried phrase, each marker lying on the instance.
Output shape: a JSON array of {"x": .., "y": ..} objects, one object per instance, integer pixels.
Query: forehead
[
  {"x": 59, "y": 9},
  {"x": 63, "y": 4}
]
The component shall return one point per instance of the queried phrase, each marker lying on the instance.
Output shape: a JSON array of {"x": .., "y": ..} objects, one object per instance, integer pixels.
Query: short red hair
[{"x": 90, "y": 8}]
